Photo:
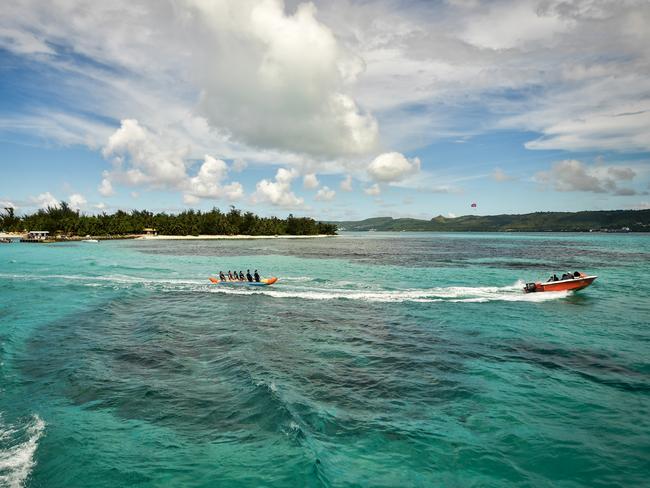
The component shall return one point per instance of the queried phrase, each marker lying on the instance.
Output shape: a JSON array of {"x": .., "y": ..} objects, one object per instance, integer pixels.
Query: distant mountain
[{"x": 604, "y": 220}]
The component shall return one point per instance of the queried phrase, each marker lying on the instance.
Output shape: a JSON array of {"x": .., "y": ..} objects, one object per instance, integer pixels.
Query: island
[
  {"x": 63, "y": 223},
  {"x": 588, "y": 221}
]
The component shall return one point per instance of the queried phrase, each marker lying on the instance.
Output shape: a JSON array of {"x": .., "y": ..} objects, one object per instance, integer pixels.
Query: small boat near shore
[
  {"x": 572, "y": 284},
  {"x": 92, "y": 241},
  {"x": 263, "y": 282}
]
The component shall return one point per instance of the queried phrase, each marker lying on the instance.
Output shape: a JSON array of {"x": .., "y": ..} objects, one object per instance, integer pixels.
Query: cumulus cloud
[
  {"x": 278, "y": 192},
  {"x": 346, "y": 183},
  {"x": 276, "y": 80},
  {"x": 45, "y": 200},
  {"x": 574, "y": 175},
  {"x": 272, "y": 83},
  {"x": 392, "y": 167},
  {"x": 310, "y": 181},
  {"x": 77, "y": 201},
  {"x": 141, "y": 157},
  {"x": 325, "y": 194},
  {"x": 105, "y": 188},
  {"x": 373, "y": 190},
  {"x": 208, "y": 183}
]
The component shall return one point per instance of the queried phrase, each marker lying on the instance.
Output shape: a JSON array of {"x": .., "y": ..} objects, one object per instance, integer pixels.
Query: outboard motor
[{"x": 530, "y": 287}]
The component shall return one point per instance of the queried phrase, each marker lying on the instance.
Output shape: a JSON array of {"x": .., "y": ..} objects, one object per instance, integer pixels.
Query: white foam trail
[
  {"x": 17, "y": 460},
  {"x": 364, "y": 291},
  {"x": 483, "y": 294}
]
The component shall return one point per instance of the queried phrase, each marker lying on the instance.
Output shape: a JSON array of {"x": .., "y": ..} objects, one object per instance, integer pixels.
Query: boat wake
[
  {"x": 320, "y": 289},
  {"x": 464, "y": 294},
  {"x": 17, "y": 449}
]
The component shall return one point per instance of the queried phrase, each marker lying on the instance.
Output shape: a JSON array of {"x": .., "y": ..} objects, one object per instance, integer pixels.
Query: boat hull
[
  {"x": 562, "y": 285},
  {"x": 264, "y": 282}
]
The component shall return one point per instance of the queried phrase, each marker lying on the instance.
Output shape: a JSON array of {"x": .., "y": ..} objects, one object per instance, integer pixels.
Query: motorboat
[{"x": 577, "y": 282}]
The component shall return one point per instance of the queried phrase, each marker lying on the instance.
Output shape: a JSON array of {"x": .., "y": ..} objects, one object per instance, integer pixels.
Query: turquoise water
[{"x": 376, "y": 360}]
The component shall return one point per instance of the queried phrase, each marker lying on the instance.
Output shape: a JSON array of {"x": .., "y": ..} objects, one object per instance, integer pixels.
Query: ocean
[{"x": 378, "y": 359}]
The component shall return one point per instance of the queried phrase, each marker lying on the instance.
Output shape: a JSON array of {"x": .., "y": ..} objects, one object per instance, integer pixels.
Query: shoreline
[{"x": 206, "y": 237}]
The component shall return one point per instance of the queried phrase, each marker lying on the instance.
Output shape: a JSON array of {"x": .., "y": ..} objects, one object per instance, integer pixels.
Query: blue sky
[{"x": 338, "y": 110}]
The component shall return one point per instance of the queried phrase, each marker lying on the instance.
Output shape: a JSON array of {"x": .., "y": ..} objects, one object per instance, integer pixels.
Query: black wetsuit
[
  {"x": 248, "y": 276},
  {"x": 241, "y": 276},
  {"x": 222, "y": 276},
  {"x": 257, "y": 276},
  {"x": 230, "y": 276}
]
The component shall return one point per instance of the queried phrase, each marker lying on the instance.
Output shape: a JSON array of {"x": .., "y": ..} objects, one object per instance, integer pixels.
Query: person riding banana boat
[{"x": 238, "y": 278}]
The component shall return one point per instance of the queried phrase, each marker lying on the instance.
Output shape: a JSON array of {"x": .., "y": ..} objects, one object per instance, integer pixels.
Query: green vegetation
[
  {"x": 635, "y": 220},
  {"x": 63, "y": 220}
]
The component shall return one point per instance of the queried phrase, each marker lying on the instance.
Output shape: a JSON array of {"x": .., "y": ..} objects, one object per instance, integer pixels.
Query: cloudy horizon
[{"x": 339, "y": 110}]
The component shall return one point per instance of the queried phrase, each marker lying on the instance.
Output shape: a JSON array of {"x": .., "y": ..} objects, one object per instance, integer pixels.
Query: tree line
[{"x": 61, "y": 219}]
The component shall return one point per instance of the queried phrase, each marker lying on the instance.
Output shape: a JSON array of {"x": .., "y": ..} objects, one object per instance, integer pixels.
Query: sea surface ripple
[{"x": 377, "y": 360}]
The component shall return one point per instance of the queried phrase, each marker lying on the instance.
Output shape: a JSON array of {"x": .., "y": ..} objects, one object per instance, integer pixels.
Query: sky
[{"x": 337, "y": 109}]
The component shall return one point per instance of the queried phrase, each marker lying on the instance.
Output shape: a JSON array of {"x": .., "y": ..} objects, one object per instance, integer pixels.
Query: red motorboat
[{"x": 577, "y": 282}]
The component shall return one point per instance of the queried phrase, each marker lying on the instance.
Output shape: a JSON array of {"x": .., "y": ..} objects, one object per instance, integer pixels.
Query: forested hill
[
  {"x": 63, "y": 220},
  {"x": 612, "y": 220}
]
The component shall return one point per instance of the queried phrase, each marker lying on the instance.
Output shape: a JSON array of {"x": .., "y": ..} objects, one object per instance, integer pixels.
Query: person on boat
[
  {"x": 222, "y": 276},
  {"x": 230, "y": 278},
  {"x": 241, "y": 276},
  {"x": 553, "y": 278},
  {"x": 257, "y": 276},
  {"x": 248, "y": 275},
  {"x": 576, "y": 274}
]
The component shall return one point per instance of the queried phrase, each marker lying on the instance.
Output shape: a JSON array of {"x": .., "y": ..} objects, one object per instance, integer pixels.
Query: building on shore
[
  {"x": 36, "y": 236},
  {"x": 150, "y": 232}
]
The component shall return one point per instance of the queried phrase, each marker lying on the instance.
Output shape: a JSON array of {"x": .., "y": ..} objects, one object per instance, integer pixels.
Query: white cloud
[
  {"x": 100, "y": 206},
  {"x": 373, "y": 190},
  {"x": 143, "y": 158},
  {"x": 294, "y": 86},
  {"x": 310, "y": 181},
  {"x": 509, "y": 25},
  {"x": 45, "y": 200},
  {"x": 7, "y": 204},
  {"x": 574, "y": 175},
  {"x": 77, "y": 201},
  {"x": 208, "y": 183},
  {"x": 346, "y": 183},
  {"x": 105, "y": 188},
  {"x": 278, "y": 192},
  {"x": 392, "y": 167},
  {"x": 325, "y": 194},
  {"x": 275, "y": 80}
]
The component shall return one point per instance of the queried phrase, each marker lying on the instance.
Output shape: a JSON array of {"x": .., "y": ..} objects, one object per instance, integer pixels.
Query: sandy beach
[{"x": 226, "y": 237}]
